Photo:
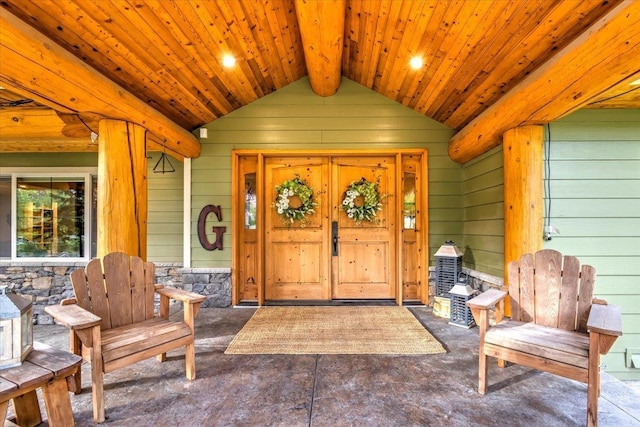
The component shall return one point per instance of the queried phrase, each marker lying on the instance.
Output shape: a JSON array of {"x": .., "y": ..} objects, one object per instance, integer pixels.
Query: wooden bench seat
[{"x": 113, "y": 320}]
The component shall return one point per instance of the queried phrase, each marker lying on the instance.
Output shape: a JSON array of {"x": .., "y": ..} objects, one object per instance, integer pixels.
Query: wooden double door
[{"x": 327, "y": 255}]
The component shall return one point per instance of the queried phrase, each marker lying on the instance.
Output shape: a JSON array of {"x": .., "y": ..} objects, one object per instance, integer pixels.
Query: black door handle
[{"x": 334, "y": 238}]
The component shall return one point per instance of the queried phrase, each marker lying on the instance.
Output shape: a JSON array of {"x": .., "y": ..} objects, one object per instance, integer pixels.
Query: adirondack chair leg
[
  {"x": 190, "y": 311},
  {"x": 76, "y": 348},
  {"x": 482, "y": 373},
  {"x": 482, "y": 362},
  {"x": 163, "y": 312},
  {"x": 593, "y": 387},
  {"x": 97, "y": 377},
  {"x": 190, "y": 361}
]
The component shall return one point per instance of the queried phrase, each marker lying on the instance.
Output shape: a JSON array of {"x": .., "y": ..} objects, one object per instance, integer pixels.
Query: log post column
[
  {"x": 523, "y": 197},
  {"x": 122, "y": 188}
]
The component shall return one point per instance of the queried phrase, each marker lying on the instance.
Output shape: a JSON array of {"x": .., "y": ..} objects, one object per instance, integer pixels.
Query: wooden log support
[
  {"x": 322, "y": 29},
  {"x": 122, "y": 186},
  {"x": 523, "y": 198},
  {"x": 603, "y": 56},
  {"x": 34, "y": 65}
]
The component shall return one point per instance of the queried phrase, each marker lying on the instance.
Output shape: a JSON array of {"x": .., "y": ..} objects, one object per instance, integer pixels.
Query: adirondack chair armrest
[
  {"x": 605, "y": 319},
  {"x": 190, "y": 303},
  {"x": 73, "y": 316},
  {"x": 481, "y": 304},
  {"x": 487, "y": 299},
  {"x": 180, "y": 295}
]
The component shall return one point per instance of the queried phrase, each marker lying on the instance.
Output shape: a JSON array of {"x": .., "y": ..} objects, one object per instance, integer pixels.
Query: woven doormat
[{"x": 334, "y": 330}]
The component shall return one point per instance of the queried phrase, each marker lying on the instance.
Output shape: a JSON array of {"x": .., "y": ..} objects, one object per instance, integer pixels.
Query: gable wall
[{"x": 295, "y": 118}]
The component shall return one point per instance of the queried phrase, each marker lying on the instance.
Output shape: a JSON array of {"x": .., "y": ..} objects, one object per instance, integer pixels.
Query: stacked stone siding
[
  {"x": 214, "y": 283},
  {"x": 48, "y": 283}
]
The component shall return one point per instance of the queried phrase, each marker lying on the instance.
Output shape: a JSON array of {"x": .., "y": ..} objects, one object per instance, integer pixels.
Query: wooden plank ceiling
[{"x": 169, "y": 53}]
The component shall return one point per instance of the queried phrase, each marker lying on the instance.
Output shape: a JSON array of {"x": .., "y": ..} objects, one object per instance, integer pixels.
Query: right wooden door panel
[{"x": 365, "y": 264}]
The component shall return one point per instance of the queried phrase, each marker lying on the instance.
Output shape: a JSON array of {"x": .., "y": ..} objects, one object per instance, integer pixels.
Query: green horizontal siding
[
  {"x": 592, "y": 149},
  {"x": 295, "y": 118},
  {"x": 574, "y": 227},
  {"x": 596, "y": 207},
  {"x": 61, "y": 160},
  {"x": 483, "y": 218},
  {"x": 165, "y": 208},
  {"x": 594, "y": 188},
  {"x": 580, "y": 188},
  {"x": 621, "y": 169}
]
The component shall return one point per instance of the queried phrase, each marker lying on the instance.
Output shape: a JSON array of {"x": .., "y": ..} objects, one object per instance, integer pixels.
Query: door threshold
[{"x": 334, "y": 302}]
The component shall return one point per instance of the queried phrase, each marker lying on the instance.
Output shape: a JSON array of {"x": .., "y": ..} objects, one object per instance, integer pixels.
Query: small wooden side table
[{"x": 47, "y": 368}]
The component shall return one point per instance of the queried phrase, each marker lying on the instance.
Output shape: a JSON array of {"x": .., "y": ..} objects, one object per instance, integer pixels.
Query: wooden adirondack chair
[
  {"x": 556, "y": 326},
  {"x": 113, "y": 323}
]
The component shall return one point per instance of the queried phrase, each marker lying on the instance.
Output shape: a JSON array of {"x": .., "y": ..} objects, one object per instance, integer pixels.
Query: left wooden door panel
[{"x": 296, "y": 259}]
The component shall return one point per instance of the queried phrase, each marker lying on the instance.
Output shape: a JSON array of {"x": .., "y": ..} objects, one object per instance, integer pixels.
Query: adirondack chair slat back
[
  {"x": 119, "y": 289},
  {"x": 550, "y": 290}
]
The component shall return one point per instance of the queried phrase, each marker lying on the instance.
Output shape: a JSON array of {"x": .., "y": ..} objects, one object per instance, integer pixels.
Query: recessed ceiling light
[
  {"x": 635, "y": 82},
  {"x": 228, "y": 61},
  {"x": 416, "y": 62}
]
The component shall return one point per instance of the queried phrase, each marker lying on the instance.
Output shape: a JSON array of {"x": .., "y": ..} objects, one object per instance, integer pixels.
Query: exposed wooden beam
[
  {"x": 44, "y": 130},
  {"x": 322, "y": 30},
  {"x": 48, "y": 145},
  {"x": 35, "y": 65},
  {"x": 27, "y": 123},
  {"x": 625, "y": 95},
  {"x": 597, "y": 60}
]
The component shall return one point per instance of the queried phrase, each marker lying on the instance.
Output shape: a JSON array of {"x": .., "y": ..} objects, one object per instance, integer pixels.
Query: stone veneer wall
[
  {"x": 477, "y": 280},
  {"x": 48, "y": 283}
]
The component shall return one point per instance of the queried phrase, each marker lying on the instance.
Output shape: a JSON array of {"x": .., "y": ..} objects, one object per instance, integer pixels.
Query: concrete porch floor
[{"x": 339, "y": 390}]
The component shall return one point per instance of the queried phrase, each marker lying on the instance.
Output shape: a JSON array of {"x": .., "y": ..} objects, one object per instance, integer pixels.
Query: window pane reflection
[
  {"x": 5, "y": 217},
  {"x": 409, "y": 210},
  {"x": 50, "y": 217},
  {"x": 250, "y": 204}
]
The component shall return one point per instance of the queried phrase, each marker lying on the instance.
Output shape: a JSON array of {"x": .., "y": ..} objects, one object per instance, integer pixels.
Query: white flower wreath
[
  {"x": 362, "y": 201},
  {"x": 294, "y": 201}
]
